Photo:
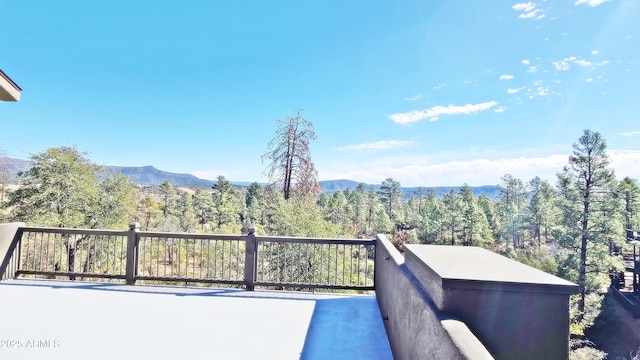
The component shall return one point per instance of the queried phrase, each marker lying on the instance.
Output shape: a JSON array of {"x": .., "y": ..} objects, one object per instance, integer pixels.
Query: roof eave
[{"x": 9, "y": 90}]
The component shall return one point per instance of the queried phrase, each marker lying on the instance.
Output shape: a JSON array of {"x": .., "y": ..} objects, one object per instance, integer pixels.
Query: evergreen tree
[
  {"x": 203, "y": 207},
  {"x": 512, "y": 202},
  {"x": 586, "y": 186},
  {"x": 451, "y": 219},
  {"x": 169, "y": 198},
  {"x": 630, "y": 191},
  {"x": 252, "y": 202},
  {"x": 225, "y": 204},
  {"x": 489, "y": 210},
  {"x": 390, "y": 196},
  {"x": 430, "y": 227},
  {"x": 358, "y": 204},
  {"x": 541, "y": 210},
  {"x": 186, "y": 213},
  {"x": 63, "y": 189},
  {"x": 475, "y": 228}
]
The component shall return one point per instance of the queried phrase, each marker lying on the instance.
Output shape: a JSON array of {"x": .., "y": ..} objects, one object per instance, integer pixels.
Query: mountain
[
  {"x": 15, "y": 165},
  {"x": 149, "y": 175},
  {"x": 338, "y": 185}
]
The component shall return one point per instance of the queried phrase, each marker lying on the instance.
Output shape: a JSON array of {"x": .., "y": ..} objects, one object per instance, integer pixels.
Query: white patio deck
[{"x": 47, "y": 319}]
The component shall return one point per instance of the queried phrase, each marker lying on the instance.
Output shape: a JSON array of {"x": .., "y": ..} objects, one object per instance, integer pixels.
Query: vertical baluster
[
  {"x": 215, "y": 258},
  {"x": 230, "y": 259},
  {"x": 209, "y": 259},
  {"x": 358, "y": 268}
]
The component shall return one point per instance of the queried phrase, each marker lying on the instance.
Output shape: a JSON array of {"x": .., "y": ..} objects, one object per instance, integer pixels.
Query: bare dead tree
[{"x": 290, "y": 165}]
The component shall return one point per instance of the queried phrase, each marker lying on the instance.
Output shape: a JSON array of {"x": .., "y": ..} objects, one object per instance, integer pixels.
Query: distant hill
[
  {"x": 149, "y": 175},
  {"x": 15, "y": 165},
  {"x": 339, "y": 185}
]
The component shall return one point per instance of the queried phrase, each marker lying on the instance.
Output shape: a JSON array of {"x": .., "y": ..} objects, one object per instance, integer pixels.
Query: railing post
[
  {"x": 132, "y": 250},
  {"x": 250, "y": 259},
  {"x": 10, "y": 237}
]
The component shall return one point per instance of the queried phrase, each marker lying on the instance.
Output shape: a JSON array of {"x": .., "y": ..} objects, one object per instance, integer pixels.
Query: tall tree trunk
[{"x": 582, "y": 274}]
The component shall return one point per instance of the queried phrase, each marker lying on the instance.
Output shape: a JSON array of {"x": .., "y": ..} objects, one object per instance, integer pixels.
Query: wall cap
[{"x": 473, "y": 267}]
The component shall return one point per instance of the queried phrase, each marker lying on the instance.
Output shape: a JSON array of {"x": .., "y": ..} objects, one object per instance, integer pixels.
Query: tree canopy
[{"x": 64, "y": 189}]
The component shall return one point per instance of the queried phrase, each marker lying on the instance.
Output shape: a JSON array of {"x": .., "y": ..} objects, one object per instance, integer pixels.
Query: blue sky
[{"x": 430, "y": 93}]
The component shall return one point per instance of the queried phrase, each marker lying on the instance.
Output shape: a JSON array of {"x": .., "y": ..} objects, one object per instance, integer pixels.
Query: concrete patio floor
[{"x": 48, "y": 319}]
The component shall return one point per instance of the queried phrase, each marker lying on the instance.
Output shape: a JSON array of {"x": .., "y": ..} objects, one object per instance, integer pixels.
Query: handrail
[{"x": 73, "y": 231}]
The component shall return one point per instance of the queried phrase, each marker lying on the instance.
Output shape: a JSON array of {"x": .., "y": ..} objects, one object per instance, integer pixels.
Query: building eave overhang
[{"x": 9, "y": 90}]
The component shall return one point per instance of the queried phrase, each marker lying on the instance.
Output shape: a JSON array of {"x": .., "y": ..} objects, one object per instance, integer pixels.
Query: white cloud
[
  {"x": 630, "y": 133},
  {"x": 377, "y": 145},
  {"x": 433, "y": 113},
  {"x": 542, "y": 91},
  {"x": 529, "y": 10},
  {"x": 532, "y": 69},
  {"x": 526, "y": 62},
  {"x": 589, "y": 80},
  {"x": 512, "y": 91},
  {"x": 524, "y": 6},
  {"x": 625, "y": 163},
  {"x": 583, "y": 62},
  {"x": 414, "y": 98},
  {"x": 438, "y": 87},
  {"x": 506, "y": 77},
  {"x": 500, "y": 109},
  {"x": 421, "y": 171},
  {"x": 472, "y": 167},
  {"x": 592, "y": 3},
  {"x": 532, "y": 14},
  {"x": 564, "y": 64},
  {"x": 594, "y": 52}
]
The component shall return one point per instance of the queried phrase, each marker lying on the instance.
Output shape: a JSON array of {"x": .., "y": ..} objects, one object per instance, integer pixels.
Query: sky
[{"x": 429, "y": 93}]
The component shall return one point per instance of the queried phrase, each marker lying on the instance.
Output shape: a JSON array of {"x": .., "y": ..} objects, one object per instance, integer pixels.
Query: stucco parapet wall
[
  {"x": 9, "y": 90},
  {"x": 472, "y": 267}
]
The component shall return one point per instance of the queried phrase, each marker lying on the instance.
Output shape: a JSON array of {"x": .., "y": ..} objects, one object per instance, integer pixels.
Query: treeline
[{"x": 573, "y": 227}]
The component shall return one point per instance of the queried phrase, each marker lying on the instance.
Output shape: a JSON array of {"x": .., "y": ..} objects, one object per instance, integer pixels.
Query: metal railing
[
  {"x": 190, "y": 258},
  {"x": 156, "y": 257},
  {"x": 315, "y": 263},
  {"x": 72, "y": 252}
]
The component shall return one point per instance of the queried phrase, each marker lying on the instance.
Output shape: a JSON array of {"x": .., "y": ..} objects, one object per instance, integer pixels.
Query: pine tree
[{"x": 586, "y": 186}]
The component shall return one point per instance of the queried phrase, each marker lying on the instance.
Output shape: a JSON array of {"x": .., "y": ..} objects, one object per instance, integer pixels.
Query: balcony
[{"x": 112, "y": 294}]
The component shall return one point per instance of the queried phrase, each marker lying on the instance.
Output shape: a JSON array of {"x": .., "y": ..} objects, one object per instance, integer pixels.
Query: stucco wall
[
  {"x": 415, "y": 327},
  {"x": 514, "y": 324},
  {"x": 517, "y": 312}
]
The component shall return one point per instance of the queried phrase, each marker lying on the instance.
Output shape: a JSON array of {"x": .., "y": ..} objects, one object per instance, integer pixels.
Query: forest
[{"x": 573, "y": 227}]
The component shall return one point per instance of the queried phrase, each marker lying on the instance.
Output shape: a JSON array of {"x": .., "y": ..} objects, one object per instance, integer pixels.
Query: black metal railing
[
  {"x": 190, "y": 258},
  {"x": 72, "y": 252},
  {"x": 315, "y": 263},
  {"x": 157, "y": 257}
]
